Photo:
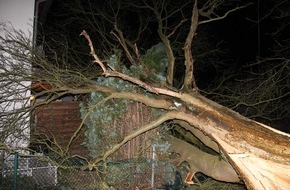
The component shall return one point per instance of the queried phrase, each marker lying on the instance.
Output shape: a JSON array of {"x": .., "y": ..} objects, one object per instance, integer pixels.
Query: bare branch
[
  {"x": 122, "y": 41},
  {"x": 225, "y": 15},
  {"x": 189, "y": 81},
  {"x": 96, "y": 58}
]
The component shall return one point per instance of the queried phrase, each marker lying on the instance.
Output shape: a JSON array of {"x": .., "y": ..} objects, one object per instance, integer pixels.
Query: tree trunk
[{"x": 259, "y": 154}]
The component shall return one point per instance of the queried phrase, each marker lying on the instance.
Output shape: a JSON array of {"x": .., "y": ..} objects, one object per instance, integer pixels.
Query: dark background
[{"x": 246, "y": 35}]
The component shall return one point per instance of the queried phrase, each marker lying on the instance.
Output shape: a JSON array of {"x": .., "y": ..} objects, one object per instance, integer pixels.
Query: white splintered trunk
[{"x": 259, "y": 154}]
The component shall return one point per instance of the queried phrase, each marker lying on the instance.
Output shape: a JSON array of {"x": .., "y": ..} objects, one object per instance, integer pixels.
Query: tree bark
[
  {"x": 189, "y": 80},
  {"x": 259, "y": 154}
]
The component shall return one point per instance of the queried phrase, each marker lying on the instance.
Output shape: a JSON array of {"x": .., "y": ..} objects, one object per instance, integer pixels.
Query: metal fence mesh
[
  {"x": 27, "y": 172},
  {"x": 39, "y": 173}
]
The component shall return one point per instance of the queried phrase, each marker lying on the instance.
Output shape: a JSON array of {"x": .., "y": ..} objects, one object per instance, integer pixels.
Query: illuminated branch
[
  {"x": 121, "y": 40},
  {"x": 189, "y": 81},
  {"x": 96, "y": 58},
  {"x": 224, "y": 16},
  {"x": 150, "y": 126}
]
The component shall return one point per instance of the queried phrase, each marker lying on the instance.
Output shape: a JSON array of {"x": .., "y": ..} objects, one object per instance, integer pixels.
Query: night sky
[
  {"x": 243, "y": 35},
  {"x": 239, "y": 30}
]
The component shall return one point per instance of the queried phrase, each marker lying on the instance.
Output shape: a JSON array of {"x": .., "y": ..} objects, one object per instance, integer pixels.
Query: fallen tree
[
  {"x": 244, "y": 149},
  {"x": 259, "y": 154}
]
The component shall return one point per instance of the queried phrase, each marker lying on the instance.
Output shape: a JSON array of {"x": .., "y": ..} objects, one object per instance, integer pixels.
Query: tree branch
[
  {"x": 189, "y": 81},
  {"x": 224, "y": 16},
  {"x": 96, "y": 58},
  {"x": 150, "y": 126}
]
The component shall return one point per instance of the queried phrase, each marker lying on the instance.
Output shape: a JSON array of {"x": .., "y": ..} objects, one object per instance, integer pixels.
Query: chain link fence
[
  {"x": 39, "y": 173},
  {"x": 24, "y": 172}
]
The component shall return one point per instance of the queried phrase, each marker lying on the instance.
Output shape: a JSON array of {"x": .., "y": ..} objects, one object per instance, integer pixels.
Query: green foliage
[
  {"x": 120, "y": 173},
  {"x": 103, "y": 118},
  {"x": 126, "y": 174},
  {"x": 154, "y": 64},
  {"x": 158, "y": 141},
  {"x": 156, "y": 58},
  {"x": 99, "y": 114},
  {"x": 210, "y": 184}
]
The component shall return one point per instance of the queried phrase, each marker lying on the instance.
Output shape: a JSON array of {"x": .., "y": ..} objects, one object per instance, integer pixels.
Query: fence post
[
  {"x": 15, "y": 171},
  {"x": 153, "y": 167}
]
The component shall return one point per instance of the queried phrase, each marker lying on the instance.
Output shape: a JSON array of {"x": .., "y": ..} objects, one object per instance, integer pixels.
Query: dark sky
[
  {"x": 240, "y": 30},
  {"x": 244, "y": 36}
]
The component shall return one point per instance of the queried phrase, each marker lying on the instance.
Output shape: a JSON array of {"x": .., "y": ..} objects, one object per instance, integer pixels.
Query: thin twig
[{"x": 225, "y": 15}]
